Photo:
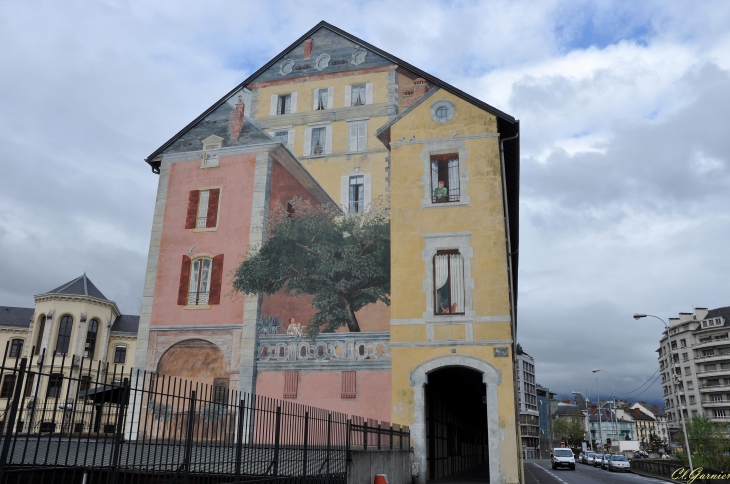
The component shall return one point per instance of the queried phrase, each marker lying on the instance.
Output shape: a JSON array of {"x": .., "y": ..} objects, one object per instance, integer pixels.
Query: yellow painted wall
[{"x": 329, "y": 170}]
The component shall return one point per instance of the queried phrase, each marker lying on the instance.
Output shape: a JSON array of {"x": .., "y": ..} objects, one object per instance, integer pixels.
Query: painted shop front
[{"x": 341, "y": 230}]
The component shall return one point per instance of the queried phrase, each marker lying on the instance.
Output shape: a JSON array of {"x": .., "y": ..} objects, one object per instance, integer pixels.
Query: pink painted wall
[
  {"x": 322, "y": 389},
  {"x": 235, "y": 177}
]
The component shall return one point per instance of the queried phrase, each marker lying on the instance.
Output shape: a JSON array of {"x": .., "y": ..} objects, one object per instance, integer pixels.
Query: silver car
[
  {"x": 619, "y": 463},
  {"x": 589, "y": 457},
  {"x": 597, "y": 460},
  {"x": 605, "y": 460}
]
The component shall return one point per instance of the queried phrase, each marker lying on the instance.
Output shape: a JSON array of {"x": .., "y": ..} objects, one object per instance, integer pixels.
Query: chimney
[
  {"x": 308, "y": 46},
  {"x": 655, "y": 407},
  {"x": 415, "y": 92},
  {"x": 236, "y": 119},
  {"x": 637, "y": 411},
  {"x": 626, "y": 408},
  {"x": 566, "y": 400},
  {"x": 593, "y": 409}
]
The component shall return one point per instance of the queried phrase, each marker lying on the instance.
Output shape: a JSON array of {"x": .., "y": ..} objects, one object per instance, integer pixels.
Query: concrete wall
[{"x": 365, "y": 464}]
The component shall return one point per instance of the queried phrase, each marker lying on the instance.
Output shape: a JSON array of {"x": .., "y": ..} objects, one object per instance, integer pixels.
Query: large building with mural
[{"x": 339, "y": 230}]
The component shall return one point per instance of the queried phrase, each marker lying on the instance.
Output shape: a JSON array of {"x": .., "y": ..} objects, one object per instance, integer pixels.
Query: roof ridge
[
  {"x": 59, "y": 289},
  {"x": 323, "y": 24},
  {"x": 86, "y": 287}
]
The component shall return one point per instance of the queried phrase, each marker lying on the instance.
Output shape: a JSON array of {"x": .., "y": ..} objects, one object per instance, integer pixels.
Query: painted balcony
[{"x": 335, "y": 351}]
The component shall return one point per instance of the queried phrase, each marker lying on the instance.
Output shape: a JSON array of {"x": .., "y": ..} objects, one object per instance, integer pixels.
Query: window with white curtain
[
  {"x": 199, "y": 288},
  {"x": 448, "y": 277},
  {"x": 445, "y": 178}
]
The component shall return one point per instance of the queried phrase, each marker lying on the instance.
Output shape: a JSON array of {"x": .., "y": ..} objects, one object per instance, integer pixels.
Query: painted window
[
  {"x": 6, "y": 391},
  {"x": 16, "y": 348},
  {"x": 39, "y": 337},
  {"x": 357, "y": 131},
  {"x": 91, "y": 333},
  {"x": 319, "y": 140},
  {"x": 349, "y": 384},
  {"x": 55, "y": 381},
  {"x": 120, "y": 354},
  {"x": 283, "y": 105},
  {"x": 358, "y": 95},
  {"x": 357, "y": 194},
  {"x": 445, "y": 178},
  {"x": 291, "y": 384},
  {"x": 199, "y": 288},
  {"x": 64, "y": 335},
  {"x": 281, "y": 136},
  {"x": 203, "y": 209},
  {"x": 211, "y": 156},
  {"x": 321, "y": 99},
  {"x": 200, "y": 281},
  {"x": 448, "y": 277}
]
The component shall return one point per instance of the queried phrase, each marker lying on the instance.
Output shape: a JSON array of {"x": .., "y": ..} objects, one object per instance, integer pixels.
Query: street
[{"x": 542, "y": 473}]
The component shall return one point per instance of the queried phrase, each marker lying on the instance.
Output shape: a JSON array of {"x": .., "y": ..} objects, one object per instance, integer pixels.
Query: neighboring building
[
  {"x": 544, "y": 399},
  {"x": 73, "y": 331},
  {"x": 645, "y": 424},
  {"x": 333, "y": 120},
  {"x": 660, "y": 419},
  {"x": 605, "y": 424},
  {"x": 700, "y": 348},
  {"x": 529, "y": 411}
]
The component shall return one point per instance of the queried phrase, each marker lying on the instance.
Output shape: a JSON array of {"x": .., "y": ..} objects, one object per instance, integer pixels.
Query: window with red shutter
[
  {"x": 212, "y": 216},
  {"x": 348, "y": 384},
  {"x": 216, "y": 280},
  {"x": 182, "y": 292},
  {"x": 291, "y": 383},
  {"x": 192, "y": 214}
]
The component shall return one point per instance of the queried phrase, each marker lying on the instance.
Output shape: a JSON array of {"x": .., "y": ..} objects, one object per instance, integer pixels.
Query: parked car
[
  {"x": 581, "y": 456},
  {"x": 620, "y": 463},
  {"x": 589, "y": 457},
  {"x": 605, "y": 460},
  {"x": 597, "y": 460},
  {"x": 562, "y": 457}
]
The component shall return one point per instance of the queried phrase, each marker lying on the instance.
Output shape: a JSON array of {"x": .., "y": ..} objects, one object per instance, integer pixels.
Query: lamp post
[
  {"x": 600, "y": 424},
  {"x": 674, "y": 377},
  {"x": 613, "y": 397}
]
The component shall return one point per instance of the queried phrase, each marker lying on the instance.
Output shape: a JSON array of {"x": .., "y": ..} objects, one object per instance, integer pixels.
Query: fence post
[
  {"x": 329, "y": 443},
  {"x": 391, "y": 437},
  {"x": 10, "y": 424},
  {"x": 239, "y": 444},
  {"x": 348, "y": 454},
  {"x": 189, "y": 438},
  {"x": 277, "y": 435},
  {"x": 380, "y": 431},
  {"x": 306, "y": 437},
  {"x": 365, "y": 434},
  {"x": 119, "y": 429}
]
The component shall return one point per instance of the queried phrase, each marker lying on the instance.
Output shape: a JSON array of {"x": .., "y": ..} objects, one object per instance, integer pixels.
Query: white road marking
[{"x": 556, "y": 477}]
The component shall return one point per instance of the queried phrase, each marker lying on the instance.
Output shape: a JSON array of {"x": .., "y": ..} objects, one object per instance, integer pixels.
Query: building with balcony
[
  {"x": 698, "y": 374},
  {"x": 528, "y": 403},
  {"x": 544, "y": 403}
]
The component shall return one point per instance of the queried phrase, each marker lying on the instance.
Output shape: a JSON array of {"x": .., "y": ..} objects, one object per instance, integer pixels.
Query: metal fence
[{"x": 68, "y": 420}]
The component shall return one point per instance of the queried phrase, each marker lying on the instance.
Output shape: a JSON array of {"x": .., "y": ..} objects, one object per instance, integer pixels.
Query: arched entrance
[
  {"x": 456, "y": 421},
  {"x": 196, "y": 360}
]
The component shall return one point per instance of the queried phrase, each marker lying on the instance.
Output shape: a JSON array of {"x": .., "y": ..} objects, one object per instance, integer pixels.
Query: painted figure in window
[{"x": 441, "y": 193}]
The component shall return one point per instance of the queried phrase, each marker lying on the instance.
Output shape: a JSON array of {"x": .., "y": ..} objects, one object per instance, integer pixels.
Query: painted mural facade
[{"x": 267, "y": 265}]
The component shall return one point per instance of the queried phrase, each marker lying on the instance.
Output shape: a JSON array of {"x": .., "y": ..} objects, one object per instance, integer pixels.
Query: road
[{"x": 583, "y": 474}]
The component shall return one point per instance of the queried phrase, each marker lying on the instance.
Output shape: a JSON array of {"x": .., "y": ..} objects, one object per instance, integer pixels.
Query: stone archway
[
  {"x": 491, "y": 377},
  {"x": 194, "y": 359}
]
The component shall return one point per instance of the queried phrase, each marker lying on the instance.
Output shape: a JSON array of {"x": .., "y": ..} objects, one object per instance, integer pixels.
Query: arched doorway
[
  {"x": 449, "y": 392},
  {"x": 197, "y": 360},
  {"x": 456, "y": 421}
]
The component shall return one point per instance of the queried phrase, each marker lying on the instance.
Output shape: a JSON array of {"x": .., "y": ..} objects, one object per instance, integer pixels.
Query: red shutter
[
  {"x": 212, "y": 220},
  {"x": 216, "y": 278},
  {"x": 348, "y": 384},
  {"x": 291, "y": 384},
  {"x": 192, "y": 209},
  {"x": 182, "y": 292}
]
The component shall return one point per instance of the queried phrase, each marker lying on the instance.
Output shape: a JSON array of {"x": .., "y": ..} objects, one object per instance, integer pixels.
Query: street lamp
[
  {"x": 674, "y": 377},
  {"x": 600, "y": 424},
  {"x": 613, "y": 396}
]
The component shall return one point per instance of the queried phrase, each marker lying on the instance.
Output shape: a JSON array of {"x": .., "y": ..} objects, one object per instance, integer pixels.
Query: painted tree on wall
[{"x": 341, "y": 260}]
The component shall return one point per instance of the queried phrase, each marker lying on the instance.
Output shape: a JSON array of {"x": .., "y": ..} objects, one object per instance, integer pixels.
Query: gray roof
[
  {"x": 717, "y": 313},
  {"x": 81, "y": 286},
  {"x": 126, "y": 324},
  {"x": 605, "y": 415},
  {"x": 15, "y": 317},
  {"x": 567, "y": 409}
]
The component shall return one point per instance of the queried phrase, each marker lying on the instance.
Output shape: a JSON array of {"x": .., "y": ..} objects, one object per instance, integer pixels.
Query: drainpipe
[{"x": 518, "y": 433}]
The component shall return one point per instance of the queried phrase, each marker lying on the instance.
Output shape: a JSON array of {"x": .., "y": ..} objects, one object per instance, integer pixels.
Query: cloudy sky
[{"x": 625, "y": 145}]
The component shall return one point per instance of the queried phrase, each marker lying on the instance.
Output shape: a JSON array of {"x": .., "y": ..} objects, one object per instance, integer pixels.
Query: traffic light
[
  {"x": 608, "y": 441},
  {"x": 562, "y": 442}
]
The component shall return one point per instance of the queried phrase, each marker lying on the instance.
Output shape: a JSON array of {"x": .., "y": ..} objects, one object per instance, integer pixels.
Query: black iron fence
[{"x": 68, "y": 420}]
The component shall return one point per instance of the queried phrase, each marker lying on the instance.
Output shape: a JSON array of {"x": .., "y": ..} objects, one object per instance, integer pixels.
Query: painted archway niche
[
  {"x": 197, "y": 360},
  {"x": 491, "y": 377}
]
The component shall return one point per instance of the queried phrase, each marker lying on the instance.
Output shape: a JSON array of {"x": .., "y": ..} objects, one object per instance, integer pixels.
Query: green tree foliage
[
  {"x": 707, "y": 441},
  {"x": 571, "y": 429},
  {"x": 655, "y": 443},
  {"x": 343, "y": 261}
]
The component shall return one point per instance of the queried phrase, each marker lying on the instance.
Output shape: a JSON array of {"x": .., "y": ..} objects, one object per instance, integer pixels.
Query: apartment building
[
  {"x": 699, "y": 347},
  {"x": 529, "y": 413}
]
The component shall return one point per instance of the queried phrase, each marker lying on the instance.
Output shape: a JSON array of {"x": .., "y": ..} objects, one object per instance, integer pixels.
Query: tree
[
  {"x": 655, "y": 443},
  {"x": 707, "y": 442},
  {"x": 569, "y": 428},
  {"x": 341, "y": 260}
]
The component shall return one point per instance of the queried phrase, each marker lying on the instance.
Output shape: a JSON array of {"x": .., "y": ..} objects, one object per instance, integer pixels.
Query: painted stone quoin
[{"x": 342, "y": 230}]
